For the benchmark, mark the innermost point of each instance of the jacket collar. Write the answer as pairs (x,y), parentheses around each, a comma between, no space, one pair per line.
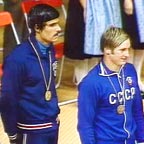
(35,43)
(105,71)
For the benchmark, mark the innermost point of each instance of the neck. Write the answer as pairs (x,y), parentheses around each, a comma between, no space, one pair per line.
(111,65)
(38,38)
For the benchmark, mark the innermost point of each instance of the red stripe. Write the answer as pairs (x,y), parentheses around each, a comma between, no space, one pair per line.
(24,126)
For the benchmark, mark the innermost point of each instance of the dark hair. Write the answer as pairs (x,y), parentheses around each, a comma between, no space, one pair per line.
(113,37)
(40,14)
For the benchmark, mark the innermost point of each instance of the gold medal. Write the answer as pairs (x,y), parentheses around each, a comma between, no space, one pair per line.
(120,109)
(48,95)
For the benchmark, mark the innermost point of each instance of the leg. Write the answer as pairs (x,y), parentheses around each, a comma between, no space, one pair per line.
(38,138)
(82,67)
(80,70)
(92,62)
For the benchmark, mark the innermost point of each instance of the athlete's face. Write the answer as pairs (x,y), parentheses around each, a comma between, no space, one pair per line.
(119,56)
(50,32)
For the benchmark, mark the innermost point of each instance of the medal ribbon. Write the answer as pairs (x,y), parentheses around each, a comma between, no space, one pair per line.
(42,69)
(122,86)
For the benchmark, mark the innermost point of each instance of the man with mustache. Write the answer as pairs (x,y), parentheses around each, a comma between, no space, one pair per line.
(28,97)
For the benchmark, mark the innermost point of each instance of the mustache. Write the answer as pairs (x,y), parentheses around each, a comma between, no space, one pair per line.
(60,33)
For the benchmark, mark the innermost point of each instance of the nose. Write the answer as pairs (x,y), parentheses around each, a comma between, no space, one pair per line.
(127,53)
(59,28)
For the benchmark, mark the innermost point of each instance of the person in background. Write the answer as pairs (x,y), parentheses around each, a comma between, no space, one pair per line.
(29,103)
(74,41)
(109,101)
(9,42)
(133,24)
(86,21)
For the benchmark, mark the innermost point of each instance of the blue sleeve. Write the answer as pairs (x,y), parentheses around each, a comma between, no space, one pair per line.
(86,113)
(9,96)
(138,113)
(139,116)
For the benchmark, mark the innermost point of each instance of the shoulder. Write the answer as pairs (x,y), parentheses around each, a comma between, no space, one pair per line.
(129,67)
(19,52)
(92,78)
(130,71)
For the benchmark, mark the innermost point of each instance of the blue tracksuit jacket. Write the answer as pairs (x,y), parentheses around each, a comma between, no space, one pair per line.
(24,108)
(98,119)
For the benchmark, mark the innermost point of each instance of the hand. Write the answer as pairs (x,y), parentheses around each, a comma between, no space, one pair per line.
(13,139)
(12,142)
(128,7)
(83,4)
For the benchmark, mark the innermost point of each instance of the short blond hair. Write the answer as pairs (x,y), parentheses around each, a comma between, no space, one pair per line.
(113,37)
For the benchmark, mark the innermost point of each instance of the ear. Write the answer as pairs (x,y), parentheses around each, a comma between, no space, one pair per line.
(37,29)
(107,51)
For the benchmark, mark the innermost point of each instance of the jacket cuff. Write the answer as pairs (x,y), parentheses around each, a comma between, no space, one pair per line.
(12,138)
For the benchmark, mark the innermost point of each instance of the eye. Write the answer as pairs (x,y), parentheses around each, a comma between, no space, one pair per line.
(123,49)
(53,24)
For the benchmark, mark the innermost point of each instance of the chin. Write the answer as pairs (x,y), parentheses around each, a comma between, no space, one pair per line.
(123,63)
(55,39)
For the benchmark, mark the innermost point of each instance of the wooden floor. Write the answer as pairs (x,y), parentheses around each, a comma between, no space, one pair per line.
(68,129)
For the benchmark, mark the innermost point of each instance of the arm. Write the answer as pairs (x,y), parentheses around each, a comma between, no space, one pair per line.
(86,113)
(9,93)
(83,4)
(139,118)
(128,7)
(138,115)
